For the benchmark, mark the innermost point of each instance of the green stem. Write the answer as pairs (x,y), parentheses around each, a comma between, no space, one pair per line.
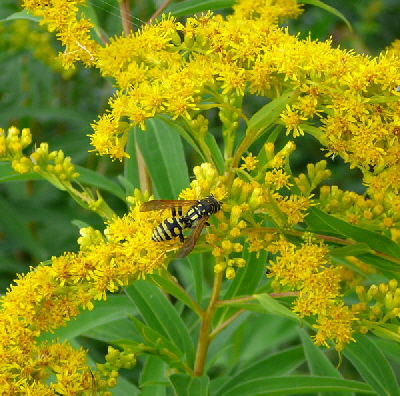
(204,337)
(231,302)
(229,139)
(196,307)
(227,322)
(87,201)
(164,352)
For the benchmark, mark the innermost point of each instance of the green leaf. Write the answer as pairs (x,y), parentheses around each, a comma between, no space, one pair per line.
(372,365)
(387,331)
(319,220)
(151,376)
(174,289)
(245,282)
(280,363)
(7,173)
(13,224)
(196,263)
(328,8)
(253,307)
(114,308)
(269,114)
(250,336)
(297,385)
(315,132)
(350,250)
(21,15)
(389,349)
(163,153)
(94,179)
(126,387)
(192,273)
(154,339)
(215,152)
(161,316)
(131,170)
(116,332)
(175,126)
(273,307)
(317,361)
(385,266)
(192,6)
(185,385)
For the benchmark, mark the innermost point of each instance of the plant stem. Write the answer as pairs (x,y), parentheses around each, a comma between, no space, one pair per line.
(227,322)
(160,9)
(125,12)
(204,337)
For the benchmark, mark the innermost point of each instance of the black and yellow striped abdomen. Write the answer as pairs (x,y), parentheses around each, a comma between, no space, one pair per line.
(170,228)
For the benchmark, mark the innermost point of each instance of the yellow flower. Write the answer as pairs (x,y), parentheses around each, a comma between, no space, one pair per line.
(250,162)
(232,78)
(292,121)
(336,325)
(277,179)
(294,207)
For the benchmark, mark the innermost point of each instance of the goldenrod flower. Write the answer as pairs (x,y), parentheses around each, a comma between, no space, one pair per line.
(72,31)
(250,162)
(337,325)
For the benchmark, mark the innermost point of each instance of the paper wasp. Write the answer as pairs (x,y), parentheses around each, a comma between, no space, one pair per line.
(195,218)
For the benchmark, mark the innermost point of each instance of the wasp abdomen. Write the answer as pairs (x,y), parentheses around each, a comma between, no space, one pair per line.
(171,228)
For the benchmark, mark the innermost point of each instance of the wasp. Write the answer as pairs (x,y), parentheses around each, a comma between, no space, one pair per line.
(195,218)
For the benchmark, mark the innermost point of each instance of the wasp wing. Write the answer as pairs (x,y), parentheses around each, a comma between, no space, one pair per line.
(192,238)
(158,204)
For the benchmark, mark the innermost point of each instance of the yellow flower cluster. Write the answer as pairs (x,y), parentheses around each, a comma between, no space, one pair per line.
(73,29)
(157,71)
(379,304)
(49,296)
(353,96)
(316,174)
(51,165)
(377,210)
(307,269)
(107,374)
(12,143)
(27,364)
(250,162)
